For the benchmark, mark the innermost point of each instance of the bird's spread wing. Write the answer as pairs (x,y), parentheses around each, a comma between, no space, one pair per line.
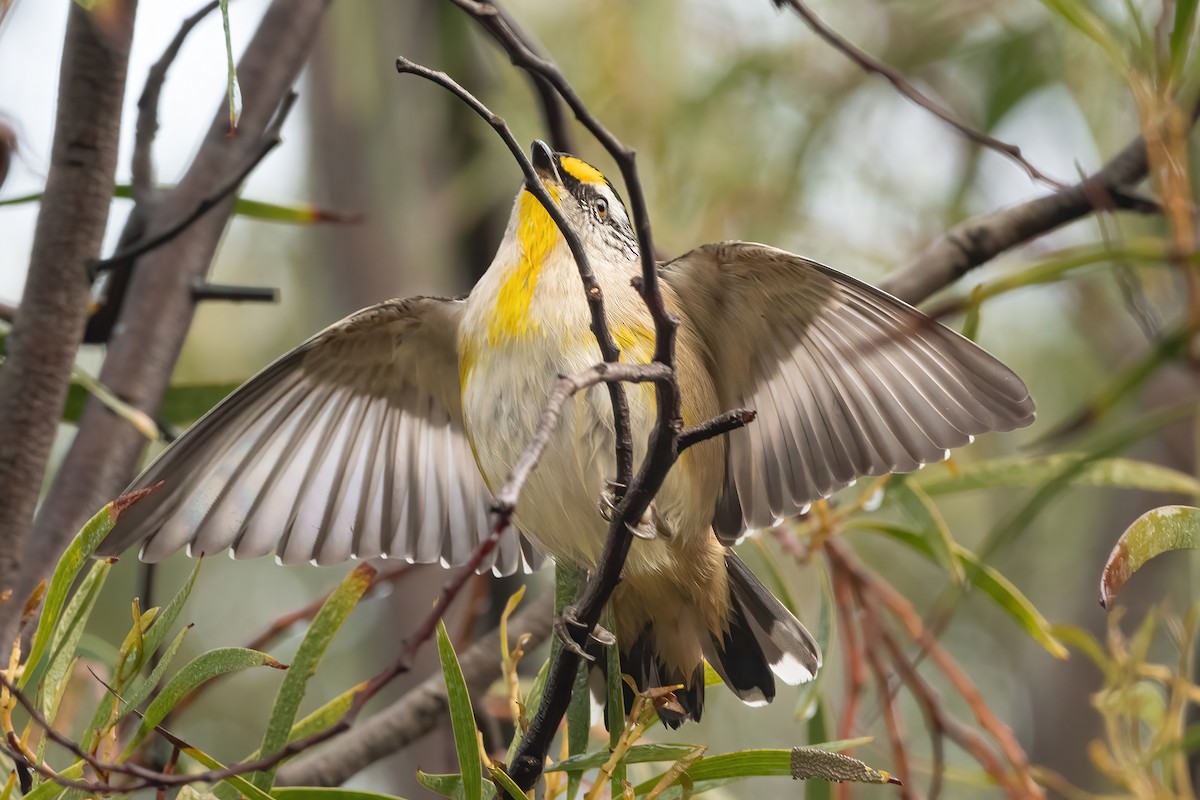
(350,445)
(847,380)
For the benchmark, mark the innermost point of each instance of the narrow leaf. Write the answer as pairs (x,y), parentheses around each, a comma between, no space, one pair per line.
(799,763)
(462,718)
(235,91)
(446,785)
(637,754)
(245,787)
(988,580)
(142,689)
(242,207)
(1091,25)
(202,668)
(1121,473)
(312,648)
(928,518)
(501,778)
(65,641)
(68,567)
(325,793)
(1181,34)
(157,633)
(1158,531)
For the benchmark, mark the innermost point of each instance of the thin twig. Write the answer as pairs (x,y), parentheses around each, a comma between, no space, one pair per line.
(873,65)
(270,140)
(505,31)
(935,720)
(142,169)
(202,291)
(907,615)
(151,778)
(662,450)
(717,426)
(419,710)
(980,239)
(891,718)
(852,655)
(529,760)
(565,387)
(609,350)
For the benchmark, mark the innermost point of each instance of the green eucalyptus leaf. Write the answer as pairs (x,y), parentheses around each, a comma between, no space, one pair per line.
(1158,531)
(65,641)
(324,627)
(987,580)
(325,793)
(462,718)
(637,754)
(65,572)
(194,674)
(446,785)
(1122,473)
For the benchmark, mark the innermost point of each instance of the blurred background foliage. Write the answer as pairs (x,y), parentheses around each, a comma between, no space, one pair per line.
(747,126)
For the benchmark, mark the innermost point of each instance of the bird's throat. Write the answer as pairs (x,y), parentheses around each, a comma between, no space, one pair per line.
(537,235)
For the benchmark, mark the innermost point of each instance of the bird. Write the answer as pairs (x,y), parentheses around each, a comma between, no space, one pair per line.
(387,433)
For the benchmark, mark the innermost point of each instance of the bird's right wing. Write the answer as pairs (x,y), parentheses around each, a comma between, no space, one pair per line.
(847,380)
(351,445)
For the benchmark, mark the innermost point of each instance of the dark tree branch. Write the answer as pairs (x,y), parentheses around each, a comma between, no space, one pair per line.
(600,329)
(505,31)
(870,64)
(53,309)
(268,142)
(158,308)
(234,294)
(529,759)
(717,426)
(978,240)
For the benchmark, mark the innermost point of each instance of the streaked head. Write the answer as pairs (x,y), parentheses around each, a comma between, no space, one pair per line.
(588,201)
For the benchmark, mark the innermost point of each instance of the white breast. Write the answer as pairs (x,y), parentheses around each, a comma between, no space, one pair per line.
(503,398)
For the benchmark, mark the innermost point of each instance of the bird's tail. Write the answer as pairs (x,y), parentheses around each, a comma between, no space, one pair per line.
(762,640)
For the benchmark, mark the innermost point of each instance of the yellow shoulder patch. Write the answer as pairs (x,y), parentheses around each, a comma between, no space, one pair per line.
(581,170)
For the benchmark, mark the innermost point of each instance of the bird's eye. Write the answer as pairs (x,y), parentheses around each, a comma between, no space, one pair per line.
(601,206)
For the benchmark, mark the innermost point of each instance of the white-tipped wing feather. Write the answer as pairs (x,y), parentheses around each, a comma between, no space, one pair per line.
(847,380)
(351,445)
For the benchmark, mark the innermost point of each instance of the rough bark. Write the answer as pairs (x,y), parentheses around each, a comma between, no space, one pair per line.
(69,232)
(159,306)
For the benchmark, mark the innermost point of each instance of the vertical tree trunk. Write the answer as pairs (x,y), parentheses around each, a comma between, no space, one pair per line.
(70,229)
(158,308)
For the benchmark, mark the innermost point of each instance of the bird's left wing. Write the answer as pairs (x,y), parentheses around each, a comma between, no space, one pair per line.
(351,445)
(846,380)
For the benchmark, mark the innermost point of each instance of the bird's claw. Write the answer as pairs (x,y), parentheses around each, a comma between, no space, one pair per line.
(563,627)
(645,529)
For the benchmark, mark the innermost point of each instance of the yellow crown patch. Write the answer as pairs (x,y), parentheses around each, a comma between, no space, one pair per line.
(581,170)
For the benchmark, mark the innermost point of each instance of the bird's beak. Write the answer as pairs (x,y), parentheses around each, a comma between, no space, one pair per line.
(545,163)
